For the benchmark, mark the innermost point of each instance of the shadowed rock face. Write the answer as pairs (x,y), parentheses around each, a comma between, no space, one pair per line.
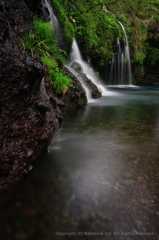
(29,113)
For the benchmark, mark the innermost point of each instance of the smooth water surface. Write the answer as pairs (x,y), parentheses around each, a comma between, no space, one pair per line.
(100,178)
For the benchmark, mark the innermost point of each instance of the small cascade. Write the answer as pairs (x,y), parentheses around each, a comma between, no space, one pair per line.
(49,14)
(120,72)
(76,61)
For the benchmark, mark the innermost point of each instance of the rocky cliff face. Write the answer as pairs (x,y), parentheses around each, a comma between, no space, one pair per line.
(29,114)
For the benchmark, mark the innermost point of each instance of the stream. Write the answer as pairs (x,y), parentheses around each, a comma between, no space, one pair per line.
(100,177)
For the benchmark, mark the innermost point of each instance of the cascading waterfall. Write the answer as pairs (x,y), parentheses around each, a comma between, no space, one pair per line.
(76,61)
(49,14)
(120,72)
(127,56)
(75,56)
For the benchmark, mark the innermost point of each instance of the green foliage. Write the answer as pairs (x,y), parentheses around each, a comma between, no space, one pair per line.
(67,26)
(138,16)
(139,57)
(97,30)
(42,41)
(60,81)
(152,56)
(43,29)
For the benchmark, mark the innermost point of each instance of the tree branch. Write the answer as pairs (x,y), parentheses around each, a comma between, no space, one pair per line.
(76,6)
(98,4)
(89,9)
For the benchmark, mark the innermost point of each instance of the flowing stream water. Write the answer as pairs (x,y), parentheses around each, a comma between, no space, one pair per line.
(100,176)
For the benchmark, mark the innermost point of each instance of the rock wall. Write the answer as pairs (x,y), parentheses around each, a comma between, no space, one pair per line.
(29,114)
(30,111)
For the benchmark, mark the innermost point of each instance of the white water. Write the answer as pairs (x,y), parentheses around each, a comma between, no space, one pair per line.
(120,72)
(127,55)
(53,20)
(75,57)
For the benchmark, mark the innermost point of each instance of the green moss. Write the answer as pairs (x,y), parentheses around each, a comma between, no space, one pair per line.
(60,81)
(66,25)
(42,41)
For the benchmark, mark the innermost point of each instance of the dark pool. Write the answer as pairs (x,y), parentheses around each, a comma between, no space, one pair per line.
(100,178)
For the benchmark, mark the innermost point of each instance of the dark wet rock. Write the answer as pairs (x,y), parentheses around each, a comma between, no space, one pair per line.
(29,169)
(30,111)
(142,201)
(41,107)
(95,92)
(78,80)
(4,173)
(25,135)
(75,97)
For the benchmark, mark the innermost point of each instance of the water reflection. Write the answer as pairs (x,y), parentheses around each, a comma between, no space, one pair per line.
(99,177)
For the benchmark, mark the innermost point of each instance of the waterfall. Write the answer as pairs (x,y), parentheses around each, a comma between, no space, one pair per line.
(50,15)
(127,56)
(120,72)
(76,61)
